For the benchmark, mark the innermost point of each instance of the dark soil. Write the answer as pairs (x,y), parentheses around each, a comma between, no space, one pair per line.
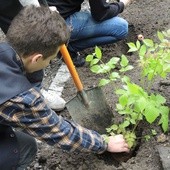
(145,17)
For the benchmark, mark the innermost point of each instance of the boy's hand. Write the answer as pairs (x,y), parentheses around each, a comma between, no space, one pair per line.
(126,2)
(117,144)
(53,8)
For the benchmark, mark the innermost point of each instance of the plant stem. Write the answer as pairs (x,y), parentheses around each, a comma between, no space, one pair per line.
(137,122)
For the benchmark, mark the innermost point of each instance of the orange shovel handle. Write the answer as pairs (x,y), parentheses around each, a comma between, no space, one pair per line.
(71,67)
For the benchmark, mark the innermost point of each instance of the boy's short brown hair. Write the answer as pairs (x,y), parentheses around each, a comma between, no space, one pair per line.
(37,30)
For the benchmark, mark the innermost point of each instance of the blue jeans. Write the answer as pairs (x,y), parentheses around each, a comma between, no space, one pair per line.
(86,32)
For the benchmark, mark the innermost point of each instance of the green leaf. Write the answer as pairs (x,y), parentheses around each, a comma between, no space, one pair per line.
(137,44)
(94,61)
(108,130)
(106,138)
(134,115)
(129,67)
(166,68)
(132,47)
(130,144)
(132,135)
(141,104)
(166,33)
(114,75)
(123,100)
(106,68)
(154,132)
(164,118)
(148,42)
(114,60)
(95,69)
(120,91)
(89,58)
(124,61)
(125,79)
(151,113)
(125,124)
(119,107)
(98,52)
(160,36)
(147,137)
(132,121)
(142,50)
(160,99)
(103,82)
(133,88)
(114,127)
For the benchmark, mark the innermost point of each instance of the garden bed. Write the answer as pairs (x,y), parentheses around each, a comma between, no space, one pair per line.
(144,17)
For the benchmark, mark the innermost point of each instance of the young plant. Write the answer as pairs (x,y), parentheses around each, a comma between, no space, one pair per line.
(154,58)
(97,66)
(136,103)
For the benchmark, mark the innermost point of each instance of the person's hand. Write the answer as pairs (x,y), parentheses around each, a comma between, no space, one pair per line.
(117,144)
(126,2)
(53,8)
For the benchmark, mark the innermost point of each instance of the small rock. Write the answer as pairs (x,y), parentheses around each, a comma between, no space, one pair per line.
(162,138)
(164,153)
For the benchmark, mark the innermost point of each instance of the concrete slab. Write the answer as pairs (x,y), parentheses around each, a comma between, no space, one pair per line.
(164,153)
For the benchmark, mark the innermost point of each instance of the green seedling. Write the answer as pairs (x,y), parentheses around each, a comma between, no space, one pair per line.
(135,102)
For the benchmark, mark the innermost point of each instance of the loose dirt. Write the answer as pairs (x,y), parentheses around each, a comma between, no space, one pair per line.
(145,17)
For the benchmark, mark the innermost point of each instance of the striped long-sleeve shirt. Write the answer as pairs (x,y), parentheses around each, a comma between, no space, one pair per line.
(29,112)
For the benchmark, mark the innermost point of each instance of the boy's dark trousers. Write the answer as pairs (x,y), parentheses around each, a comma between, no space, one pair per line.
(17,149)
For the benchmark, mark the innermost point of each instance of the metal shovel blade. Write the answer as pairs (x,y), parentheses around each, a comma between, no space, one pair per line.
(96,116)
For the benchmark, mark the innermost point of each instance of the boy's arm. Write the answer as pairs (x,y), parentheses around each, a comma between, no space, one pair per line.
(29,112)
(101,10)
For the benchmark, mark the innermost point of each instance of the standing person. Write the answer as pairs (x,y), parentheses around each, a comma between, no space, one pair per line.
(33,40)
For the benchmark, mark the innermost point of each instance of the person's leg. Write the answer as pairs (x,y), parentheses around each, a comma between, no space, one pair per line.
(86,32)
(27,149)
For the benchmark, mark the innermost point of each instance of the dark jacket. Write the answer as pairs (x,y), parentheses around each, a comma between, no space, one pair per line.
(8,10)
(9,155)
(100,10)
(11,70)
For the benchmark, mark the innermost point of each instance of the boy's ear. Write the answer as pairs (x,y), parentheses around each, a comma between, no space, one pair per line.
(36,57)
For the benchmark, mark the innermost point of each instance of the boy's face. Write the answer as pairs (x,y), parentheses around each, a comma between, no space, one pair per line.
(36,62)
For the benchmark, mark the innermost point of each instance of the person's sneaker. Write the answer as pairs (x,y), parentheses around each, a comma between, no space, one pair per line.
(54,101)
(78,60)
